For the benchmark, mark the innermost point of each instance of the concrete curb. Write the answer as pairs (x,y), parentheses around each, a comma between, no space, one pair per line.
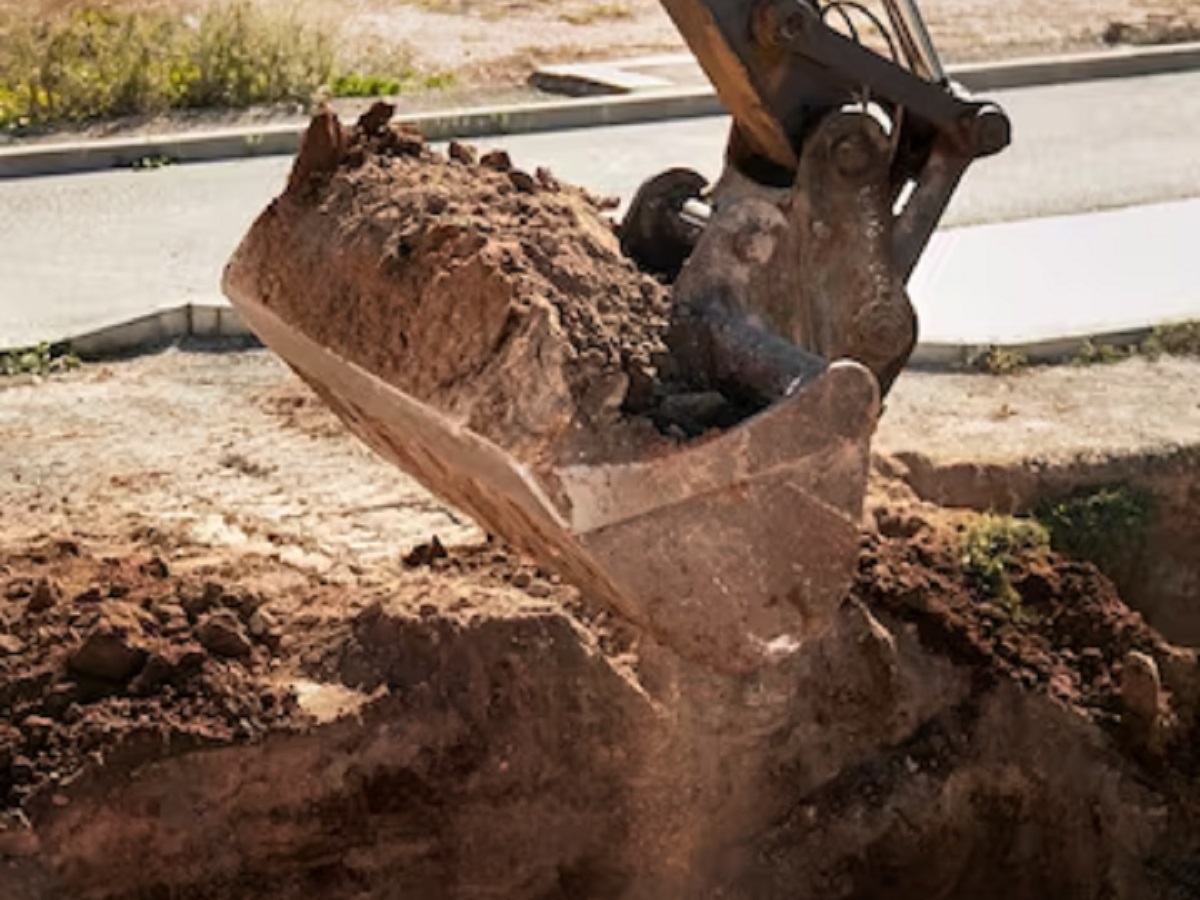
(1055,351)
(221,325)
(646,73)
(205,322)
(240,143)
(626,103)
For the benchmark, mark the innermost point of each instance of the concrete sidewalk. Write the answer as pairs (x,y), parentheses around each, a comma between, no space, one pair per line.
(1029,282)
(84,252)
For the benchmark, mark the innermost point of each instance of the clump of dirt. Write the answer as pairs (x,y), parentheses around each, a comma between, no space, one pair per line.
(101,655)
(1063,631)
(498,296)
(1067,636)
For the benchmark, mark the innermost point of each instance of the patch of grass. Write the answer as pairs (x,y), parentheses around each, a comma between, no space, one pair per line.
(599,12)
(154,161)
(355,84)
(1155,30)
(95,62)
(1179,339)
(991,546)
(1106,525)
(994,360)
(1091,353)
(41,360)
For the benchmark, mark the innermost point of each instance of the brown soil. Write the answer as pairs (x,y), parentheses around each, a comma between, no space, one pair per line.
(1067,636)
(473,727)
(98,654)
(554,331)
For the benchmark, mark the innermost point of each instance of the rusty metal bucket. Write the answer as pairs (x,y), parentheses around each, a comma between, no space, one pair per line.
(732,550)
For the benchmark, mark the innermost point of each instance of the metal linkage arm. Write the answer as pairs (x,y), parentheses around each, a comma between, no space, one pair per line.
(780,69)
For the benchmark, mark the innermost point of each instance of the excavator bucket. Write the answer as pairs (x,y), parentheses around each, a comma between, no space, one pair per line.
(731,552)
(695,459)
(732,547)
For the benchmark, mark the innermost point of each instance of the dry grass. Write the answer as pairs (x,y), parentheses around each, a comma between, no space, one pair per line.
(385,46)
(70,61)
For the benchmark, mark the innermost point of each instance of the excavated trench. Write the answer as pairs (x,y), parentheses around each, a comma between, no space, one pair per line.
(1145,537)
(475,728)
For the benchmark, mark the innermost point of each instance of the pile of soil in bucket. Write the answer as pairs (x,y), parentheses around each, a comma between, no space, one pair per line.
(498,296)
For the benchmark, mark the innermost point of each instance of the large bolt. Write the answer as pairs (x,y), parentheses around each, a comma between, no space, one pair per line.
(991,131)
(754,245)
(776,23)
(854,155)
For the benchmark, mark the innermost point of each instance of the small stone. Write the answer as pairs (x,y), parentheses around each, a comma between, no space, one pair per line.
(59,699)
(91,595)
(171,665)
(37,731)
(10,645)
(21,770)
(222,633)
(197,601)
(261,623)
(523,181)
(425,554)
(46,594)
(463,153)
(522,580)
(18,589)
(497,160)
(404,140)
(172,617)
(155,568)
(539,589)
(375,119)
(245,603)
(1141,686)
(112,650)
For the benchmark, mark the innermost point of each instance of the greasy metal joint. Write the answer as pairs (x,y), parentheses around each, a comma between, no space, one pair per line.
(855,155)
(991,131)
(777,23)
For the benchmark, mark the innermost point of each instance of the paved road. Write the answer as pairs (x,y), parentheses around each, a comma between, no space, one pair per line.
(84,251)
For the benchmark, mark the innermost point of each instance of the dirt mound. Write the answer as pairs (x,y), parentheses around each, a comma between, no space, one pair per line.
(391,253)
(472,726)
(102,656)
(1067,636)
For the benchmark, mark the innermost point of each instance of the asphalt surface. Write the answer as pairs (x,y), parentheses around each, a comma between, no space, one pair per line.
(84,251)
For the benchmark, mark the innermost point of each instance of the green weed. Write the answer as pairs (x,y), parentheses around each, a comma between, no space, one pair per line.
(991,546)
(43,359)
(1180,339)
(101,62)
(1091,353)
(1106,525)
(994,360)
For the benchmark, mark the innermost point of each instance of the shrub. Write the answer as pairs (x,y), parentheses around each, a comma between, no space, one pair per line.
(1106,525)
(101,62)
(992,545)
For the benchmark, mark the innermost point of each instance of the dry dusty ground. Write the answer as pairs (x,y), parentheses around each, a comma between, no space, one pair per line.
(228,451)
(492,48)
(484,41)
(196,557)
